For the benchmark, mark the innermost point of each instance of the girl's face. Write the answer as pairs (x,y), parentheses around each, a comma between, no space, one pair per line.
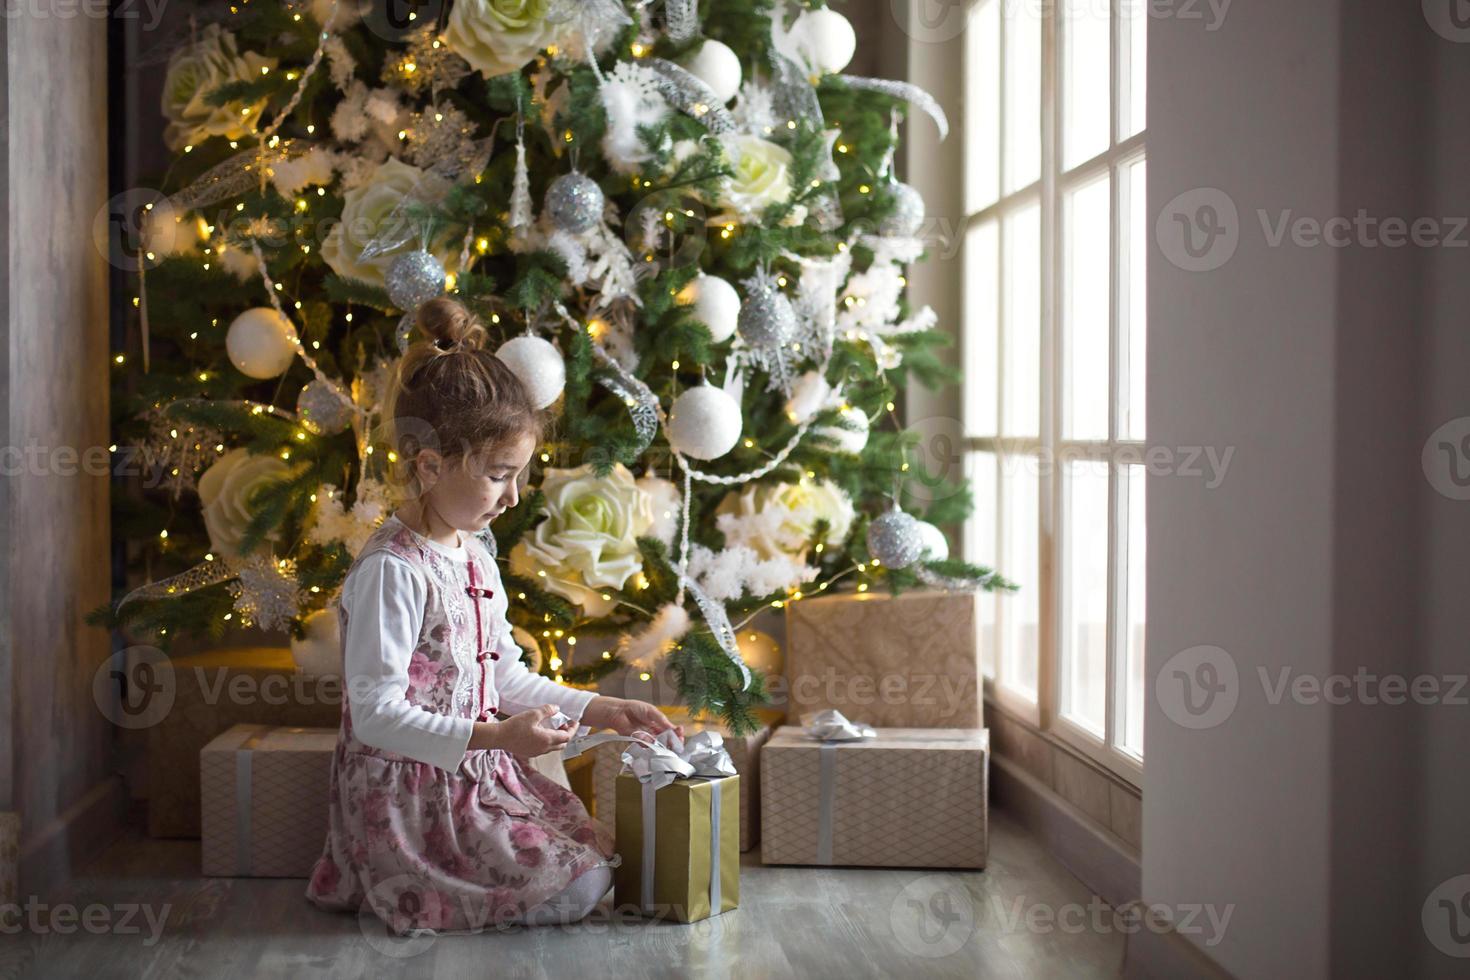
(471,491)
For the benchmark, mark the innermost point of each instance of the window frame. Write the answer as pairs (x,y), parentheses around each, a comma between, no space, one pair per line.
(1052,450)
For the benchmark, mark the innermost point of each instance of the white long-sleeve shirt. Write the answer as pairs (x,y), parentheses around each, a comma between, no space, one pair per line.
(385,597)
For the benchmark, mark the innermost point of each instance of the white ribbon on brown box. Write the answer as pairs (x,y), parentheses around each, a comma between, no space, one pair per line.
(831,728)
(656,761)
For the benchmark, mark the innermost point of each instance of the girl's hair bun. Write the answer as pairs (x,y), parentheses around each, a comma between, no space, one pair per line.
(449,326)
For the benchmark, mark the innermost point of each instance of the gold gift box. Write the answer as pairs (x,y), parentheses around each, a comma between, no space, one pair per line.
(685,863)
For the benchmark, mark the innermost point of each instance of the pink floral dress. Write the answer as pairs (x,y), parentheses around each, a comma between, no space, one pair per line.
(437,851)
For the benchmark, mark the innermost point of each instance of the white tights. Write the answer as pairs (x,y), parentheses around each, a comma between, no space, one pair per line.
(573,902)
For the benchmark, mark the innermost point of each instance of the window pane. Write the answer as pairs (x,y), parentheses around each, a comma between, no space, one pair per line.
(982,106)
(1022,94)
(1085,310)
(1133,71)
(1020,613)
(1086,30)
(1084,597)
(1021,381)
(980,548)
(1134,328)
(980,334)
(1131,683)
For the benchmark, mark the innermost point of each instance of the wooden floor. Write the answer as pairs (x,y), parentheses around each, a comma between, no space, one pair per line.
(792,922)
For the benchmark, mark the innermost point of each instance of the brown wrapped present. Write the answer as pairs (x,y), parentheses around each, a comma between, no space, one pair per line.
(909,798)
(265,796)
(744,752)
(897,661)
(211,692)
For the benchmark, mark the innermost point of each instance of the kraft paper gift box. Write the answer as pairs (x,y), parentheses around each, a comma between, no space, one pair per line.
(679,847)
(212,691)
(906,661)
(265,792)
(744,752)
(908,798)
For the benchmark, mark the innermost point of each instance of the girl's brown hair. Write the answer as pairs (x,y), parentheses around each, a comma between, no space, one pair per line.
(452,395)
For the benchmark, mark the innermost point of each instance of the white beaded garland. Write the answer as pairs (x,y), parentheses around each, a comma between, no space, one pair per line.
(716,305)
(718,67)
(704,423)
(261,343)
(538,364)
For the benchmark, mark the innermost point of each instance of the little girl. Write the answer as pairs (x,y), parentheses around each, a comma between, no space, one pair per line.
(437,820)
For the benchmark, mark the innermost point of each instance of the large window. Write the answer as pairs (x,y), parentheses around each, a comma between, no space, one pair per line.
(1054,355)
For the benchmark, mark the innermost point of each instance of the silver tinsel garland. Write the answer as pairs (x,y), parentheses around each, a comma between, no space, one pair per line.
(693,97)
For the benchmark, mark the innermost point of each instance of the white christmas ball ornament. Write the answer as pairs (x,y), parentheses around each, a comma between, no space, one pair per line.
(933,545)
(716,305)
(718,67)
(538,364)
(808,396)
(704,423)
(261,343)
(825,39)
(844,440)
(320,651)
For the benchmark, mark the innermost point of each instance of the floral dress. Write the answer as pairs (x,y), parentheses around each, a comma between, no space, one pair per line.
(433,850)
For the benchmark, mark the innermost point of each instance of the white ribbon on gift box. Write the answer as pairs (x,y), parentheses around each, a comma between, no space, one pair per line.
(656,761)
(244,774)
(831,728)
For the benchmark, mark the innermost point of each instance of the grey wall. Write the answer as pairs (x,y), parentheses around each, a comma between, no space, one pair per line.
(1325,550)
(57,766)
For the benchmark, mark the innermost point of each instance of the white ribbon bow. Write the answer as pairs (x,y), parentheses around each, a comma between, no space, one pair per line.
(832,726)
(658,760)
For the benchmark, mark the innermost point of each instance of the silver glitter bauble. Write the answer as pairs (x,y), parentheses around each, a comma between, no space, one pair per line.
(895,539)
(321,411)
(414,278)
(907,216)
(767,319)
(574,202)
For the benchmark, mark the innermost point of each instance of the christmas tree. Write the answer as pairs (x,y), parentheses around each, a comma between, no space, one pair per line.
(685,225)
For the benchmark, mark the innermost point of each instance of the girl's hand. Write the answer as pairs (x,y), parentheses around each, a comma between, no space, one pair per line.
(626,717)
(524,734)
